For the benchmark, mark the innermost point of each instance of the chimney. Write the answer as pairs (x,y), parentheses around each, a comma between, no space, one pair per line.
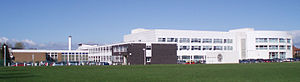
(70,42)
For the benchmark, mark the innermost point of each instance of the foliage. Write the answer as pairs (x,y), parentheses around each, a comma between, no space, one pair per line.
(19,45)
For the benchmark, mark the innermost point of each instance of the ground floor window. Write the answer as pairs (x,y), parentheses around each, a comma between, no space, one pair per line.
(186,57)
(273,55)
(282,55)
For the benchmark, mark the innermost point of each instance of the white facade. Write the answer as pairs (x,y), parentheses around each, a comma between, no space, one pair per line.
(217,46)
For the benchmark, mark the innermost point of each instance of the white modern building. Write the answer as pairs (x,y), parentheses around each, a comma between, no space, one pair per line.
(219,46)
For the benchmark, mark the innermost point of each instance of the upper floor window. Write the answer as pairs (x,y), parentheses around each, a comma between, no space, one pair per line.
(196,48)
(261,47)
(288,40)
(273,47)
(184,48)
(218,41)
(120,49)
(273,40)
(207,48)
(288,47)
(206,40)
(227,40)
(161,39)
(281,40)
(282,47)
(228,48)
(261,40)
(172,39)
(184,40)
(196,40)
(218,47)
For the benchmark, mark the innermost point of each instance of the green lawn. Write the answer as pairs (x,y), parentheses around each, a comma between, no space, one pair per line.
(266,72)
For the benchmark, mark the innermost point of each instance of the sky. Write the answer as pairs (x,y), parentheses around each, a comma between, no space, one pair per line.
(45,23)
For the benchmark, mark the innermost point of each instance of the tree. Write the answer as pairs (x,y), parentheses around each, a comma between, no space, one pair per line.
(19,45)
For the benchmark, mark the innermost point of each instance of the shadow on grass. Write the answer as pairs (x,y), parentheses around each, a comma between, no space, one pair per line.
(16,75)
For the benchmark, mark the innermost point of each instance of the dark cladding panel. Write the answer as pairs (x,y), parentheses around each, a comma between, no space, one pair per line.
(137,53)
(164,54)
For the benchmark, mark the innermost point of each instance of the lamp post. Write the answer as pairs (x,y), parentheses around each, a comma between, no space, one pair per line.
(4,55)
(144,56)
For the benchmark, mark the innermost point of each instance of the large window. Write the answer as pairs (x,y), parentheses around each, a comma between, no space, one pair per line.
(228,48)
(198,57)
(282,40)
(184,48)
(161,39)
(261,40)
(218,41)
(273,55)
(282,55)
(273,47)
(196,40)
(273,40)
(172,39)
(186,57)
(206,40)
(184,40)
(218,47)
(207,48)
(196,47)
(261,47)
(227,40)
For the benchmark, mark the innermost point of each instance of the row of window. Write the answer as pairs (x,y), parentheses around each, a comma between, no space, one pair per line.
(273,47)
(205,47)
(195,40)
(120,49)
(65,53)
(273,55)
(273,40)
(100,49)
(190,57)
(75,57)
(100,58)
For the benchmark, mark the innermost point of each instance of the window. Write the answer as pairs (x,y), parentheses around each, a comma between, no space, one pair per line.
(282,47)
(261,40)
(207,48)
(273,55)
(273,47)
(186,57)
(288,40)
(273,40)
(227,40)
(218,41)
(288,47)
(282,55)
(196,48)
(161,39)
(206,40)
(218,47)
(148,59)
(148,47)
(184,48)
(196,40)
(281,40)
(228,48)
(261,47)
(172,39)
(198,57)
(184,40)
(120,49)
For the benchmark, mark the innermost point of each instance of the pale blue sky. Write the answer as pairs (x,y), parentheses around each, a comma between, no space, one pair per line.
(106,21)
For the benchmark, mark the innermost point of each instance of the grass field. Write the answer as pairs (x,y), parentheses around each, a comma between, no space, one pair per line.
(265,72)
